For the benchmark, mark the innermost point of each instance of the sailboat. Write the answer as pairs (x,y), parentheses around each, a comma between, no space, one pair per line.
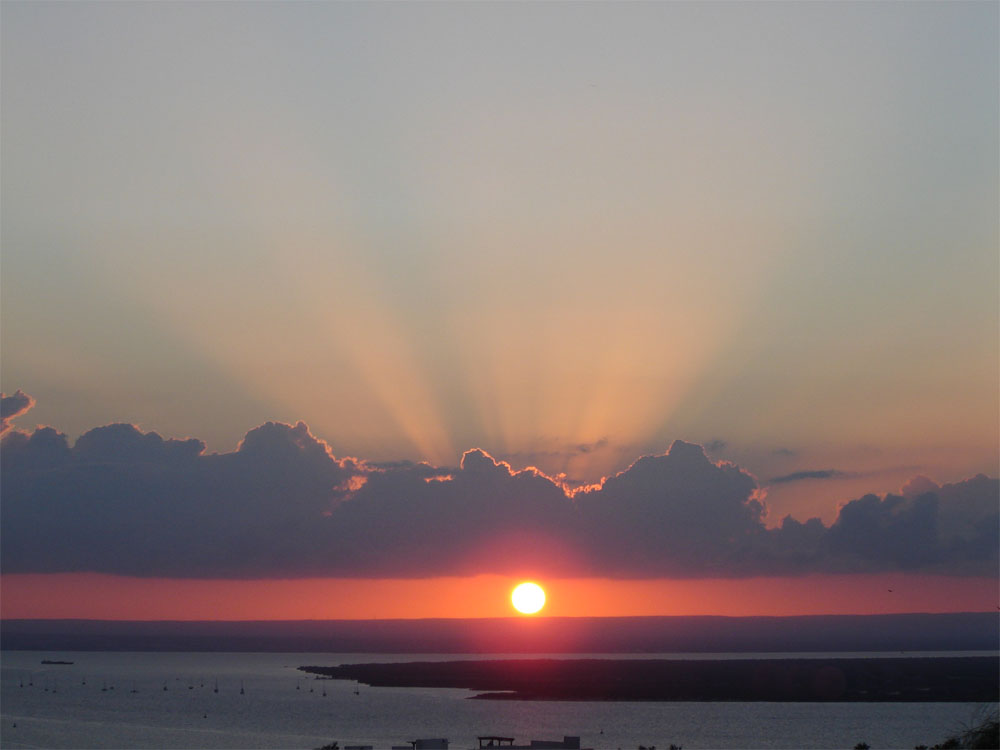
(242,691)
(216,687)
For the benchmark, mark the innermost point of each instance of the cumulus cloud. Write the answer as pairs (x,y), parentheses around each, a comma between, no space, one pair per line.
(12,407)
(126,444)
(793,546)
(123,501)
(672,513)
(119,500)
(484,516)
(952,527)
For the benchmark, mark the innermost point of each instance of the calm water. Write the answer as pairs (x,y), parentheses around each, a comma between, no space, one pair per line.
(283,708)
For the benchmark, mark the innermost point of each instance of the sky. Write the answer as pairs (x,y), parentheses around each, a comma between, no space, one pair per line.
(625,297)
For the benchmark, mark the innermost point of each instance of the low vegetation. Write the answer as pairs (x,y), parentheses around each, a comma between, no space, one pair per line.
(983,734)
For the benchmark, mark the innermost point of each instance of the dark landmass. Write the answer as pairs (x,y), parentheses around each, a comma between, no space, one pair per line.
(524,635)
(53,661)
(971,679)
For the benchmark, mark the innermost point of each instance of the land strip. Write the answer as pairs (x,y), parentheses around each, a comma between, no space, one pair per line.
(971,679)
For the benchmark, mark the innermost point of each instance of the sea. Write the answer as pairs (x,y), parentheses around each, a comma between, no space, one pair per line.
(261,700)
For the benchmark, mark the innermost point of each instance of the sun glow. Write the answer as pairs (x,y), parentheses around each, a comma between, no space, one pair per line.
(92,596)
(528,598)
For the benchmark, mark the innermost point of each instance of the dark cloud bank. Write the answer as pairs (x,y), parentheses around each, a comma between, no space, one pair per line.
(127,502)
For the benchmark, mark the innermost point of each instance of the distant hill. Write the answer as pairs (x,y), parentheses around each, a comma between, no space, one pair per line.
(901,632)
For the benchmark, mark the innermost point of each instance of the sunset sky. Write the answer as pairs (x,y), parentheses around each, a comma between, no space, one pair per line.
(359,266)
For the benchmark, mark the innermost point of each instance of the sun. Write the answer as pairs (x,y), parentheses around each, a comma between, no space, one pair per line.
(527,598)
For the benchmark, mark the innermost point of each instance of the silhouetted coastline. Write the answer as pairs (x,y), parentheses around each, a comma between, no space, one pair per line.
(975,631)
(935,679)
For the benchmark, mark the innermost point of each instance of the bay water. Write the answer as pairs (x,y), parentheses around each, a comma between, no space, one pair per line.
(261,700)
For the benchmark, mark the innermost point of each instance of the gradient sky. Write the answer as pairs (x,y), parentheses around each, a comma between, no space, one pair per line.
(564,234)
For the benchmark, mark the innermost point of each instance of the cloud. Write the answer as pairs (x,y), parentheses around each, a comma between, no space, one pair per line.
(673,513)
(12,407)
(918,485)
(798,476)
(283,505)
(953,527)
(123,501)
(889,529)
(126,444)
(484,516)
(793,546)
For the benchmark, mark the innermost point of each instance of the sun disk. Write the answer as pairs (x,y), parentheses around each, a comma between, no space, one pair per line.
(528,598)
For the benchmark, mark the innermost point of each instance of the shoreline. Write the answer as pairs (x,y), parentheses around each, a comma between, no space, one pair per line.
(871,680)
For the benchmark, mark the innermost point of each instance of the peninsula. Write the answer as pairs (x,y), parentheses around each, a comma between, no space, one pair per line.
(931,679)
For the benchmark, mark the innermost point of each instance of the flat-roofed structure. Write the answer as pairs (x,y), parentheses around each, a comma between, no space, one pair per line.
(507,743)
